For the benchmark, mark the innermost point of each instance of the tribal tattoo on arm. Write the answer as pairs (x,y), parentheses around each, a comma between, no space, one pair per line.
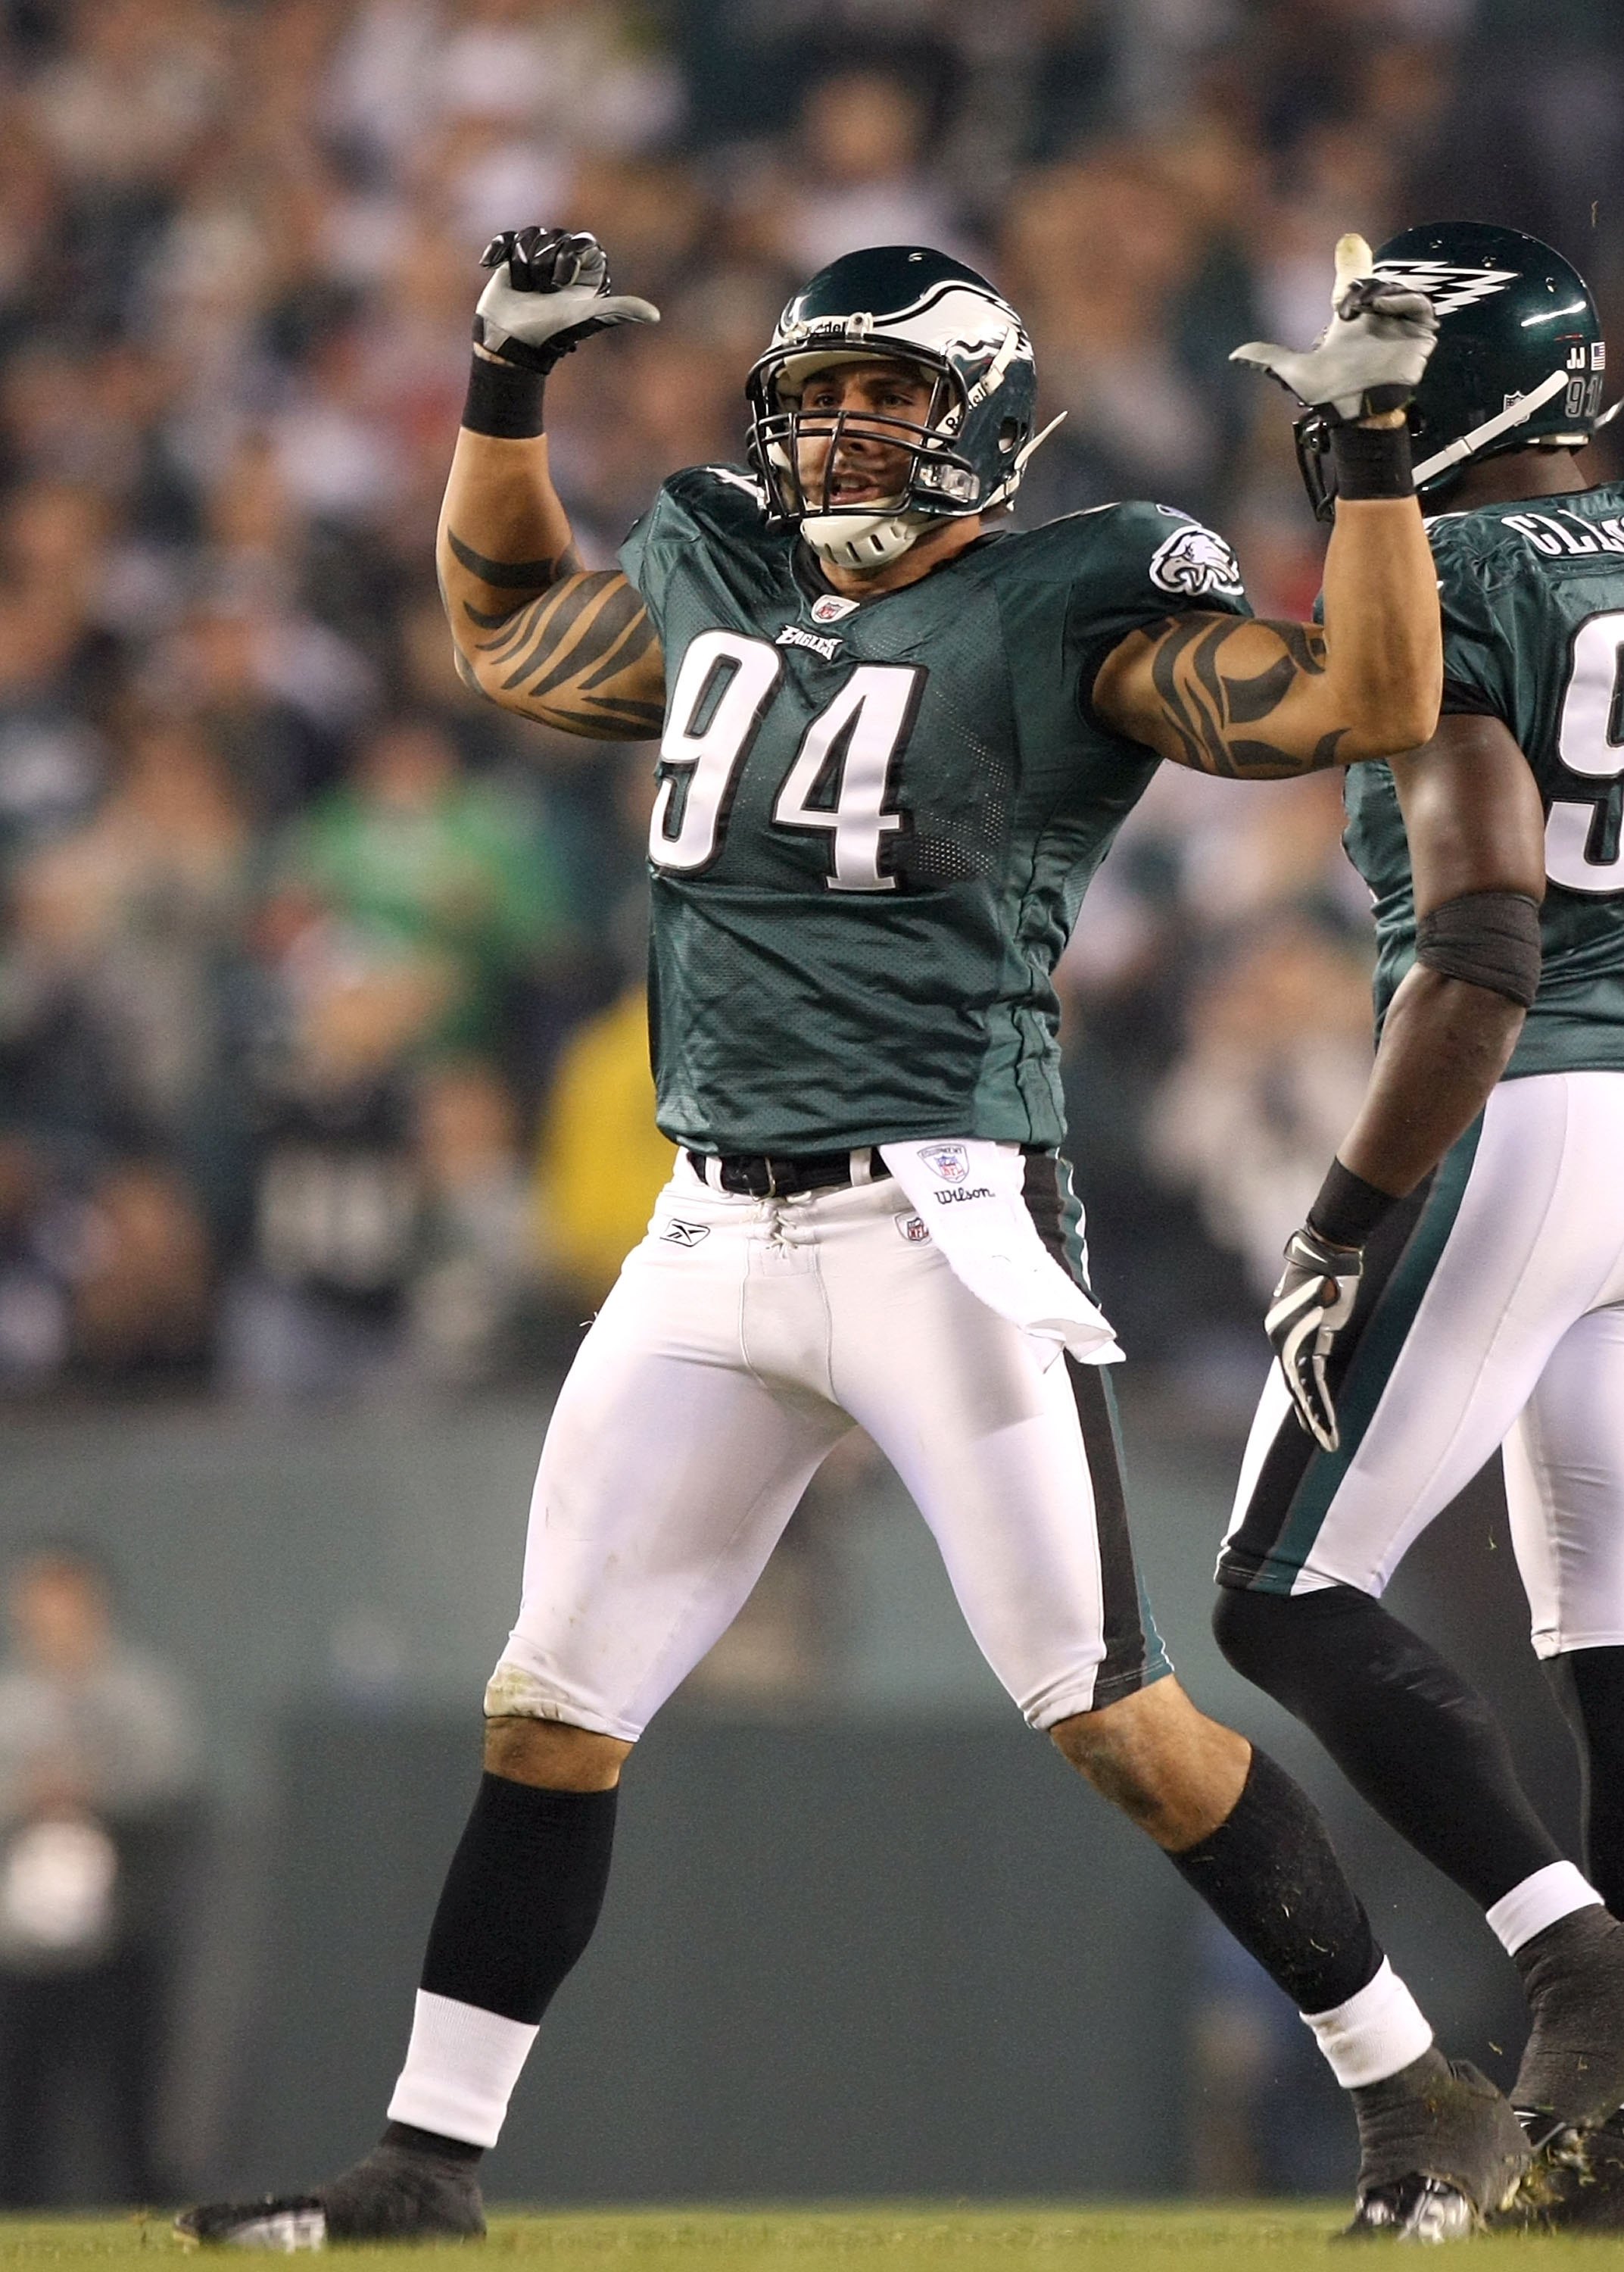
(1223,694)
(581,654)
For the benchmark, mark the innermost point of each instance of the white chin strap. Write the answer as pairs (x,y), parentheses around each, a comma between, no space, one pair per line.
(1514,415)
(863,540)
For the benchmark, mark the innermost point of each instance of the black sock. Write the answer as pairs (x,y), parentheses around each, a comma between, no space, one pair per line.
(407,2134)
(1407,1732)
(1590,1687)
(521,1897)
(1268,1873)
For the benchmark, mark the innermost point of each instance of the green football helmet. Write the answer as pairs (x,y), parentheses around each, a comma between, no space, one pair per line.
(1519,361)
(897,303)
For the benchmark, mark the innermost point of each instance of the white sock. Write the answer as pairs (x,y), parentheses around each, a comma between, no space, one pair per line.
(1541,1899)
(460,2068)
(1374,2034)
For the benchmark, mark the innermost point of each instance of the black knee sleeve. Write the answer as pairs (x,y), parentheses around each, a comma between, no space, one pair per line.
(1412,1737)
(521,1897)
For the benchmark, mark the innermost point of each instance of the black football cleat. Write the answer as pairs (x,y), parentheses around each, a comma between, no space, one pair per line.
(1572,2074)
(1575,2183)
(1441,2150)
(279,2222)
(396,2194)
(1413,2208)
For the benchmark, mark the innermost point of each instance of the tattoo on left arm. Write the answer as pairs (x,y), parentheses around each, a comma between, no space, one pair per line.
(1193,704)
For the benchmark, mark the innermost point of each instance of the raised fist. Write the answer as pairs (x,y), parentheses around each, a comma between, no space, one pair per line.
(549,292)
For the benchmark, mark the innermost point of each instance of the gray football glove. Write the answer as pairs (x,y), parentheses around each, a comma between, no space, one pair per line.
(1312,1303)
(551,290)
(1371,354)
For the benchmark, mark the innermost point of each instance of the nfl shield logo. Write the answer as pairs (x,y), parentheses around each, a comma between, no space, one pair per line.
(829,608)
(950,1161)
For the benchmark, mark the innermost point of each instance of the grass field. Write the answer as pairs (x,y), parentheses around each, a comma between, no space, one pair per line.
(869,2239)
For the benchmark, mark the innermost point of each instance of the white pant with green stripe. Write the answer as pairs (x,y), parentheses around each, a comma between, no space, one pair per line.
(743,1340)
(1493,1314)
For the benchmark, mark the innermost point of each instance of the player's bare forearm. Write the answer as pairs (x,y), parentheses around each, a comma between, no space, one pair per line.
(1383,632)
(504,535)
(1476,830)
(532,630)
(1265,701)
(1445,1046)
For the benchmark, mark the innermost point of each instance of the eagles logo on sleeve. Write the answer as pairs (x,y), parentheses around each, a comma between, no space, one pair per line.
(1194,562)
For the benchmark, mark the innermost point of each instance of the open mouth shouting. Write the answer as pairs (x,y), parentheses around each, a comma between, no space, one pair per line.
(856,421)
(854,485)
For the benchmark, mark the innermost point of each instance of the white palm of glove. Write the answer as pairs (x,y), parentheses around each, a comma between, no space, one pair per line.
(1314,1300)
(1371,354)
(549,291)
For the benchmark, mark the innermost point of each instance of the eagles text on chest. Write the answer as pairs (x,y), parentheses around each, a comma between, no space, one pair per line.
(791,635)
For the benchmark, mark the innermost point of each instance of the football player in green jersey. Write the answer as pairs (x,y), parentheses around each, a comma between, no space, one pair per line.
(1459,1282)
(895,743)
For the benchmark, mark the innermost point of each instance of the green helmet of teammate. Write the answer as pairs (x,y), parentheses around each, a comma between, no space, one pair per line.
(897,303)
(1519,359)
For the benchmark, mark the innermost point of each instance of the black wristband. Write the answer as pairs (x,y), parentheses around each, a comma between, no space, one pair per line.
(1372,461)
(503,400)
(1348,1208)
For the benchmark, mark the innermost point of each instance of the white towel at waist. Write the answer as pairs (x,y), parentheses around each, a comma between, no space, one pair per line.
(970,1194)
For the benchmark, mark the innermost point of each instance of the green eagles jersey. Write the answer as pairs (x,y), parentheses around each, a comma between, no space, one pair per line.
(1533,633)
(874,822)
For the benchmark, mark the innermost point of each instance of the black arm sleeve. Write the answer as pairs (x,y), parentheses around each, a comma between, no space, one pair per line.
(1486,938)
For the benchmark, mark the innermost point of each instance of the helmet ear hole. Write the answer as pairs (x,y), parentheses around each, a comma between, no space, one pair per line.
(1011,434)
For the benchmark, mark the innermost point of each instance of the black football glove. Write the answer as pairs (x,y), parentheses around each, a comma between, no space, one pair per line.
(551,290)
(1370,356)
(1312,1303)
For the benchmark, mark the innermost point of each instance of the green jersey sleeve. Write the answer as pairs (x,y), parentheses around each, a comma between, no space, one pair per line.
(1148,562)
(1474,676)
(706,506)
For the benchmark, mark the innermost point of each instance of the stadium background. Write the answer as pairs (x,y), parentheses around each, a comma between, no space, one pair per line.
(324,1113)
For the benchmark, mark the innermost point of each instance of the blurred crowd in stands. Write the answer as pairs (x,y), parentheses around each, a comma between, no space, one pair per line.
(320,1050)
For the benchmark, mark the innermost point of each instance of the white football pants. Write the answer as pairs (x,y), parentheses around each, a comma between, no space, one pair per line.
(743,1338)
(1494,1312)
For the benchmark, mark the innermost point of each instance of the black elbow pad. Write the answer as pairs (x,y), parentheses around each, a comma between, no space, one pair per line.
(1487,939)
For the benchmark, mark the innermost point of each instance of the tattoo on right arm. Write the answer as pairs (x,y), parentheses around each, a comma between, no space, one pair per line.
(512,575)
(578,656)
